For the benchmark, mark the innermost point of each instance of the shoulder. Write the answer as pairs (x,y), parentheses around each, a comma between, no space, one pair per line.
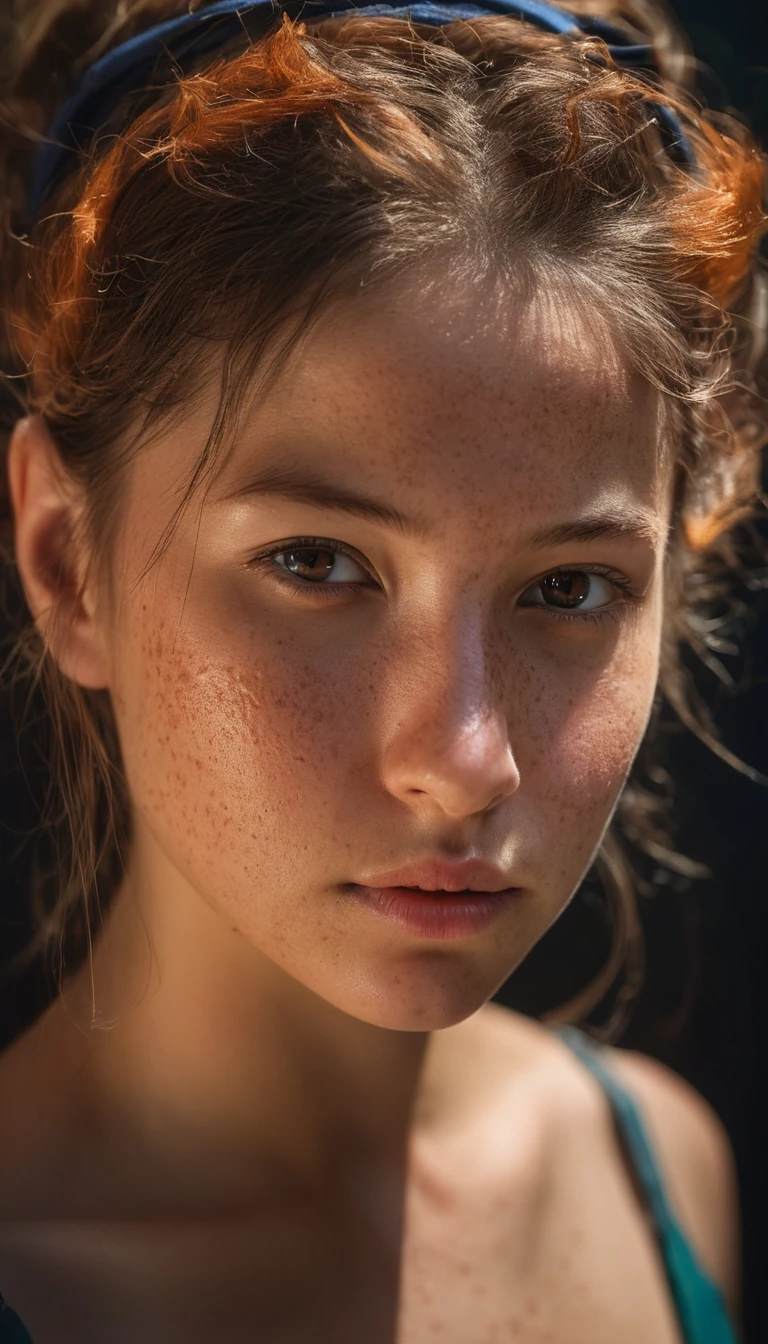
(693,1150)
(696,1160)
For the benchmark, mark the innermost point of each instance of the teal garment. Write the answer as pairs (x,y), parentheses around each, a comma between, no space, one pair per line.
(701,1307)
(700,1304)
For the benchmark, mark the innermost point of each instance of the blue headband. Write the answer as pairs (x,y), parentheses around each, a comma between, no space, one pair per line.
(129,65)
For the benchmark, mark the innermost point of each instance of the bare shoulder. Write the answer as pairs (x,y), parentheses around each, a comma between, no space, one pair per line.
(688,1137)
(697,1163)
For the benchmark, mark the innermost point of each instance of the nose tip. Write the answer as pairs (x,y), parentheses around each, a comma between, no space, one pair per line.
(470,774)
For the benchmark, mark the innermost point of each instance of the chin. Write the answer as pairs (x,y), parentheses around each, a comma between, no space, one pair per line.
(428,994)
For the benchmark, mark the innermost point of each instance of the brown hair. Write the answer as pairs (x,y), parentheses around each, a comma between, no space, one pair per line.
(235,202)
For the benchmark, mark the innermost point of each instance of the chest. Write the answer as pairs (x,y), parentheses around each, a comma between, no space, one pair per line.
(463,1268)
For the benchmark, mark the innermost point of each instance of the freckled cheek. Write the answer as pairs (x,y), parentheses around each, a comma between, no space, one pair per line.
(600,740)
(578,751)
(231,742)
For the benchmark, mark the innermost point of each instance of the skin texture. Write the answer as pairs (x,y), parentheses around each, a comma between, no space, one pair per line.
(279,744)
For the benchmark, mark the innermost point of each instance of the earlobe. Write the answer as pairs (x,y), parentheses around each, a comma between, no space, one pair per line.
(47,507)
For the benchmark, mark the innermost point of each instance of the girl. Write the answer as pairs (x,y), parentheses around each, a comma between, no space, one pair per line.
(379,401)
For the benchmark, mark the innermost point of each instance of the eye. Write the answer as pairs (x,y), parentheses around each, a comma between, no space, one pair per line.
(314,563)
(577,593)
(574,589)
(318,564)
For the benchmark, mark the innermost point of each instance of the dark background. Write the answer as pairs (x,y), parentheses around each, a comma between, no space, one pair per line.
(702,1009)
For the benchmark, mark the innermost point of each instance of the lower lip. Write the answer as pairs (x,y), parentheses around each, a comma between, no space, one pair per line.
(438,914)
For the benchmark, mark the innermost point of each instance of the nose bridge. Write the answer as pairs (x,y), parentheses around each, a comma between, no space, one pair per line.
(450,735)
(452,668)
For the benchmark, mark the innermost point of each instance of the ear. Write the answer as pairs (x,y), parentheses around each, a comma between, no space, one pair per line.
(48,506)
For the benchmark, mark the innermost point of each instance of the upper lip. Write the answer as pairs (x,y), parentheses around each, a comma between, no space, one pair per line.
(444,875)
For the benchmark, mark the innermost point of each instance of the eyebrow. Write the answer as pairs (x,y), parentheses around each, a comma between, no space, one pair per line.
(310,488)
(628,523)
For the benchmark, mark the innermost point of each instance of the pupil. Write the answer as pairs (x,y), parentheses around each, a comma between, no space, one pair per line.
(569,588)
(307,564)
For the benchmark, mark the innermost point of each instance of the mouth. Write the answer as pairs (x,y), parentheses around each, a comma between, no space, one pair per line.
(434,913)
(466,893)
(435,876)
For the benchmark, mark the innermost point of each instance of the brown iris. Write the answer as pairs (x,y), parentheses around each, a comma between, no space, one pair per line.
(568,588)
(313,564)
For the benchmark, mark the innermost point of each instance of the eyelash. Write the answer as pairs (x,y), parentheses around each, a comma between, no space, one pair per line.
(298,587)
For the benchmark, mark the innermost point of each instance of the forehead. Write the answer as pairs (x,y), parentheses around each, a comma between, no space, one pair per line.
(450,401)
(467,390)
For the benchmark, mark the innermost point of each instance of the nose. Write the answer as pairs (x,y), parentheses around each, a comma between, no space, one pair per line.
(451,741)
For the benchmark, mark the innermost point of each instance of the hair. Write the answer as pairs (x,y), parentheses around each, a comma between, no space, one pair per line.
(233,203)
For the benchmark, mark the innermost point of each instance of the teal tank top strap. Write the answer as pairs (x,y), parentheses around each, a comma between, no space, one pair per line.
(700,1303)
(11,1329)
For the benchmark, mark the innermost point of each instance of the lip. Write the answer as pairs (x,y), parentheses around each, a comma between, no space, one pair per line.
(474,875)
(434,914)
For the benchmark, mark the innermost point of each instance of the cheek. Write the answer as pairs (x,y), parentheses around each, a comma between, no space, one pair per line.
(581,736)
(234,755)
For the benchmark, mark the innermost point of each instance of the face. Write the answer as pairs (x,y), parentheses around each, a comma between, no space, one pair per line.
(309,692)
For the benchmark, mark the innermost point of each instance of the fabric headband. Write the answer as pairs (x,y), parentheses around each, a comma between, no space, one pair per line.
(129,65)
